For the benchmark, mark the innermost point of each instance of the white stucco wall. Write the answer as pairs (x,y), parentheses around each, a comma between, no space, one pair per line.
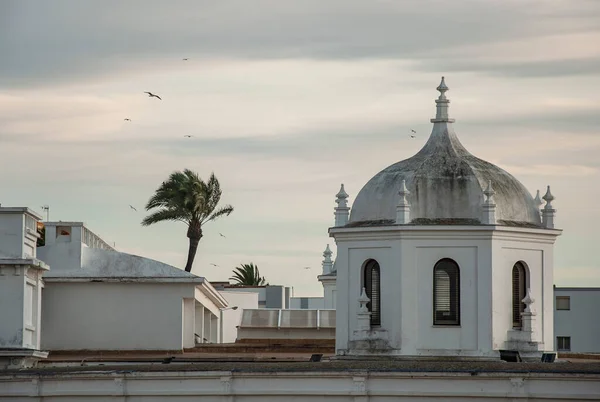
(20,303)
(581,321)
(12,301)
(406,292)
(12,232)
(329,294)
(537,254)
(189,322)
(268,296)
(231,318)
(407,256)
(61,256)
(309,386)
(113,316)
(18,232)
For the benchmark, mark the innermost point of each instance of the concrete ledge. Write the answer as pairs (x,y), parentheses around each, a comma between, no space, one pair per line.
(287,342)
(20,358)
(467,369)
(587,356)
(275,346)
(415,358)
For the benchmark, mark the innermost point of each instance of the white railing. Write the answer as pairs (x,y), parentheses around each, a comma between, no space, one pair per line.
(92,240)
(282,318)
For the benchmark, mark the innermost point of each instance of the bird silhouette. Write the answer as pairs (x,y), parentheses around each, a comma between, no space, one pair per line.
(306,268)
(150,94)
(413,131)
(214,265)
(188,136)
(185,59)
(222,235)
(127,119)
(412,136)
(132,207)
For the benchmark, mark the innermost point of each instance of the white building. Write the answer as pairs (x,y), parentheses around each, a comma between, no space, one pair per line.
(20,288)
(576,324)
(102,299)
(93,297)
(269,296)
(327,279)
(434,271)
(231,316)
(444,254)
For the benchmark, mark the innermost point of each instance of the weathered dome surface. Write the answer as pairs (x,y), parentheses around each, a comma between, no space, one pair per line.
(445,182)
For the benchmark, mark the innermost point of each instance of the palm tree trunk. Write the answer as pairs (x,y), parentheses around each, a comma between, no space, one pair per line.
(191,253)
(194,233)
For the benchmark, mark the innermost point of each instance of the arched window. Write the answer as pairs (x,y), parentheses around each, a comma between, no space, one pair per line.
(519,289)
(446,293)
(372,286)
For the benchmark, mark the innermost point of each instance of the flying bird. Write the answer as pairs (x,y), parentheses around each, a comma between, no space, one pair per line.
(150,94)
(188,136)
(413,131)
(412,136)
(214,265)
(185,59)
(132,207)
(222,235)
(306,268)
(127,119)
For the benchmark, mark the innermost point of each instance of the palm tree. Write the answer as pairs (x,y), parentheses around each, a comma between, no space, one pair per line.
(248,275)
(185,197)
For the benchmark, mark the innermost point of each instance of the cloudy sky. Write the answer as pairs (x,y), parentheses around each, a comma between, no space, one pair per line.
(286,100)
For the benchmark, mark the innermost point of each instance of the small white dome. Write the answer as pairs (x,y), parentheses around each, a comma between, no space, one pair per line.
(446,182)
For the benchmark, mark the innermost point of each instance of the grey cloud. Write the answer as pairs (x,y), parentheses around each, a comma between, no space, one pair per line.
(569,121)
(46,43)
(311,144)
(542,69)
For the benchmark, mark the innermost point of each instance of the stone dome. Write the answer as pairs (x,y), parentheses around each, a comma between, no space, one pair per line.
(445,182)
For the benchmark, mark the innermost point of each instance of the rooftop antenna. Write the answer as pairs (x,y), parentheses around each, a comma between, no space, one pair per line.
(47,209)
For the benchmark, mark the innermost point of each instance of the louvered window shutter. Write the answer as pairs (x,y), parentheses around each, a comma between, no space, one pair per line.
(446,293)
(373,289)
(518,294)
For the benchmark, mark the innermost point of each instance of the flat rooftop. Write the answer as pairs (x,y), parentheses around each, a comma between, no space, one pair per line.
(249,359)
(471,368)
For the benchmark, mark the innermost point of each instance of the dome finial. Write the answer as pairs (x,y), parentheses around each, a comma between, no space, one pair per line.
(342,212)
(442,88)
(442,102)
(342,193)
(489,206)
(403,207)
(548,197)
(538,200)
(548,212)
(489,193)
(327,261)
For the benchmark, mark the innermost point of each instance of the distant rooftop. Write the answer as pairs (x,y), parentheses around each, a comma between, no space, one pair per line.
(65,228)
(109,265)
(20,210)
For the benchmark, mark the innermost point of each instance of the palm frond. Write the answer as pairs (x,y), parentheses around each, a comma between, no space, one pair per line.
(248,275)
(185,197)
(226,210)
(165,215)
